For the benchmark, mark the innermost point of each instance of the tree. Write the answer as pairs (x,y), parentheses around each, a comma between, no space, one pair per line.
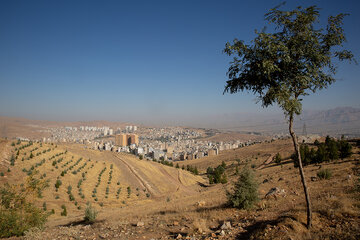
(345,149)
(245,192)
(284,66)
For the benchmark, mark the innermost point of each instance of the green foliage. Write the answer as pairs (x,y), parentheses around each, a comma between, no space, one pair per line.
(17,214)
(12,160)
(284,66)
(330,150)
(278,158)
(345,149)
(217,175)
(324,174)
(245,191)
(64,212)
(58,183)
(90,214)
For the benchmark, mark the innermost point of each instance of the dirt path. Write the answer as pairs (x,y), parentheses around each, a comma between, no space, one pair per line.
(145,184)
(266,162)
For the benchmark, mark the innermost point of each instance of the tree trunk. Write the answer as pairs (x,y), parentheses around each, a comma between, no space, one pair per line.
(297,151)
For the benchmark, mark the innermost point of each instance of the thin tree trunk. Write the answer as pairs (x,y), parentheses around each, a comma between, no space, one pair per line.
(297,151)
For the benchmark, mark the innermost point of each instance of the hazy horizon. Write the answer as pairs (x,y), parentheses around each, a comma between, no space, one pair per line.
(158,62)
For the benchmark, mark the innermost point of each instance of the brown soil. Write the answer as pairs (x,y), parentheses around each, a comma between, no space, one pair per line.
(184,206)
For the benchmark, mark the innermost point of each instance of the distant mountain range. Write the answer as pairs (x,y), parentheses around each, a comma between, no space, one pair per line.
(337,121)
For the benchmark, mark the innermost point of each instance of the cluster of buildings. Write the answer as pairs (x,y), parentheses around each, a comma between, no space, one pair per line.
(170,143)
(83,134)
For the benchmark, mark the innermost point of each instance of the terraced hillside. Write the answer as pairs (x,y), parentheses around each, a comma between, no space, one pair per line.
(77,176)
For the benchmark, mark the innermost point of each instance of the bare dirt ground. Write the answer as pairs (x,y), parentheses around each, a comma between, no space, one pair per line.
(187,208)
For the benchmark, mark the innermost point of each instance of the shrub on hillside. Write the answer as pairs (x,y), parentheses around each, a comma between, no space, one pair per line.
(245,192)
(64,212)
(17,214)
(324,174)
(90,214)
(278,158)
(217,175)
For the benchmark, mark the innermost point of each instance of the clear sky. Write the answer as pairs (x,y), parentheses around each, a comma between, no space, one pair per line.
(142,61)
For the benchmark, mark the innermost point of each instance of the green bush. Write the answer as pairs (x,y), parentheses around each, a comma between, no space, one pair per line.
(17,215)
(324,174)
(245,191)
(90,214)
(345,149)
(64,212)
(217,175)
(58,183)
(278,158)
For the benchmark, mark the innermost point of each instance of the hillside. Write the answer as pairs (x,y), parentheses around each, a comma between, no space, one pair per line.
(103,178)
(172,203)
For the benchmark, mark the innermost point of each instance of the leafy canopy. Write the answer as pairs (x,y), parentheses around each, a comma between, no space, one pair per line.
(283,66)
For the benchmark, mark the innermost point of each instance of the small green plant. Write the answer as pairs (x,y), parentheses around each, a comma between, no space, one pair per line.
(324,174)
(64,212)
(278,158)
(58,184)
(90,214)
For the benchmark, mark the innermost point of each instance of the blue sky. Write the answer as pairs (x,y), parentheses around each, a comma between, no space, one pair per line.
(141,61)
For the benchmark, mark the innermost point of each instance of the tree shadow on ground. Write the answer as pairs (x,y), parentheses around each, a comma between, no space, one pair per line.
(259,226)
(202,185)
(80,222)
(165,212)
(218,207)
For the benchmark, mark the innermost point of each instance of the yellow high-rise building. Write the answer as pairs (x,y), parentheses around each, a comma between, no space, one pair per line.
(121,140)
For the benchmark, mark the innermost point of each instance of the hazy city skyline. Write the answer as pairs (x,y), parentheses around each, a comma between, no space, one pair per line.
(145,62)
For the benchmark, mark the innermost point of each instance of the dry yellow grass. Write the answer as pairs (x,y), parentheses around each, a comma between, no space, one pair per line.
(179,205)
